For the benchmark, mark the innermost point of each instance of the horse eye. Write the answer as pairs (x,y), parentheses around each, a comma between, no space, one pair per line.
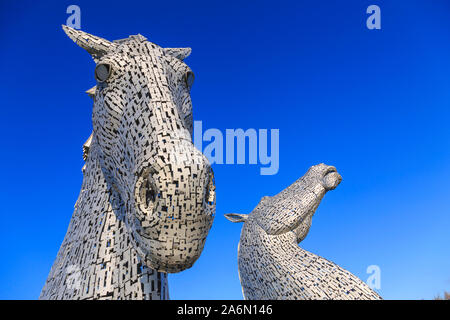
(189,79)
(102,72)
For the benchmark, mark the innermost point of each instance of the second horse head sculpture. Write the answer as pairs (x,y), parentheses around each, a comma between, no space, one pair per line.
(272,265)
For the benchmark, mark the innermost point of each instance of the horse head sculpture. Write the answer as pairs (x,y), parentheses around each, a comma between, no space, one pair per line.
(162,186)
(271,263)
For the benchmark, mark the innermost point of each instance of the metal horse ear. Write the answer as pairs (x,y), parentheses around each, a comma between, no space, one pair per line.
(179,53)
(236,217)
(96,46)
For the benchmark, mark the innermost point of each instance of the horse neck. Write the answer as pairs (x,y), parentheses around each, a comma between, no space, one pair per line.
(96,259)
(322,278)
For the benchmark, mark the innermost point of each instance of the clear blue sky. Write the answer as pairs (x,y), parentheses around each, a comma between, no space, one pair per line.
(373,103)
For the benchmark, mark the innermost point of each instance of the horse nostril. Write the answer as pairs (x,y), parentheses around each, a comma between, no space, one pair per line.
(210,195)
(146,194)
(149,194)
(330,169)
